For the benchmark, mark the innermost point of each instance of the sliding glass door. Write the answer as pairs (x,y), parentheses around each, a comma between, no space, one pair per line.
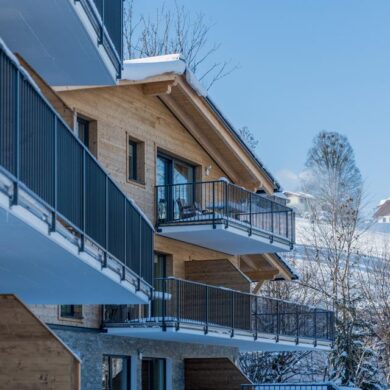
(170,173)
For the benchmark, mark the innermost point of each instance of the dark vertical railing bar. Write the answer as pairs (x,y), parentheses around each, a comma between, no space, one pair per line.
(84,196)
(17,143)
(256,317)
(45,159)
(177,304)
(315,326)
(206,328)
(55,178)
(232,304)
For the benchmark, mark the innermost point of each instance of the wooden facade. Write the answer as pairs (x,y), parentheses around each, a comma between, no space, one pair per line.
(213,373)
(31,356)
(158,119)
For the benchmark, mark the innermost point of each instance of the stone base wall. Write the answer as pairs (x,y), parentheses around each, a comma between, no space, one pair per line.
(90,346)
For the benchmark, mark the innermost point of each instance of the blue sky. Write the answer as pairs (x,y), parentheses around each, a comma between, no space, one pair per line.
(306,66)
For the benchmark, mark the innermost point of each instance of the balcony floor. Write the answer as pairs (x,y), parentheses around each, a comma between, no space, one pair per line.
(57,40)
(232,240)
(244,341)
(48,269)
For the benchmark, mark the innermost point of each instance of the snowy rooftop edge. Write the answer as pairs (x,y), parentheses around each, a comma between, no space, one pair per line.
(143,68)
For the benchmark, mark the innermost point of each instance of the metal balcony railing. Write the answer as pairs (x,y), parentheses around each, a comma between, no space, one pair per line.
(178,302)
(214,202)
(42,157)
(106,17)
(290,386)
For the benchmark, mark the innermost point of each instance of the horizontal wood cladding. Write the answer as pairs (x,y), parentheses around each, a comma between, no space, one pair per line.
(219,272)
(126,111)
(31,356)
(213,374)
(182,252)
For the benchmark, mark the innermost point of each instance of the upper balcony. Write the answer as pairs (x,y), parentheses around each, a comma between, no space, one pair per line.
(68,234)
(68,42)
(224,217)
(189,311)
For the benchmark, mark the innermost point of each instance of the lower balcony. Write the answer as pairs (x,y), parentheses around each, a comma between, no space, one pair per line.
(224,217)
(197,313)
(68,234)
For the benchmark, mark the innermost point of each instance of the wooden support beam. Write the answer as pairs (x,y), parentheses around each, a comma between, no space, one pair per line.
(159,88)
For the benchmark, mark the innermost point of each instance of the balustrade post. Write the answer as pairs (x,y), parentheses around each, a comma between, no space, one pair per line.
(225,186)
(15,195)
(177,304)
(206,328)
(55,178)
(272,222)
(297,324)
(277,322)
(315,326)
(163,308)
(250,214)
(233,313)
(83,196)
(256,317)
(125,229)
(213,199)
(287,213)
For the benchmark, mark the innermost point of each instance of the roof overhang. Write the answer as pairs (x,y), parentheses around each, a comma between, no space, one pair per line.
(199,115)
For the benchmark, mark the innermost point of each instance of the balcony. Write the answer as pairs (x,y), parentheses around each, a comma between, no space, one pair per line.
(224,217)
(193,312)
(68,234)
(291,386)
(68,42)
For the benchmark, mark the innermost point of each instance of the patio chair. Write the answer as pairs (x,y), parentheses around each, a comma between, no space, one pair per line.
(187,210)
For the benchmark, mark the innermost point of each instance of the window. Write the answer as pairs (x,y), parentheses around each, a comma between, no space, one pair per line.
(135,160)
(83,130)
(153,374)
(116,373)
(160,266)
(132,156)
(71,311)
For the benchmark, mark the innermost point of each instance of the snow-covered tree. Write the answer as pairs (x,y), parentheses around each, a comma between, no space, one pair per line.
(333,236)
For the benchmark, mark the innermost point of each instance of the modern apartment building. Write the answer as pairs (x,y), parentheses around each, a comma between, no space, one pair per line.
(135,222)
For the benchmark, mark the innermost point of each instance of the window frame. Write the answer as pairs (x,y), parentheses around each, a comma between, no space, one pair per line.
(127,359)
(150,376)
(86,123)
(73,316)
(133,145)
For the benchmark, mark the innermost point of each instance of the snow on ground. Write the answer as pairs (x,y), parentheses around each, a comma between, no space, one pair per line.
(373,242)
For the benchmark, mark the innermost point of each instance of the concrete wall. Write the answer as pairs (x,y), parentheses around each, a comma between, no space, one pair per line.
(90,347)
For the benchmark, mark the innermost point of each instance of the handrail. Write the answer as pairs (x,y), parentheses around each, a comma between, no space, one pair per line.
(42,156)
(182,302)
(218,201)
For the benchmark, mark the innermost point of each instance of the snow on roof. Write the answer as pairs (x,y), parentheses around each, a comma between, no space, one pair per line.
(383,209)
(143,68)
(299,194)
